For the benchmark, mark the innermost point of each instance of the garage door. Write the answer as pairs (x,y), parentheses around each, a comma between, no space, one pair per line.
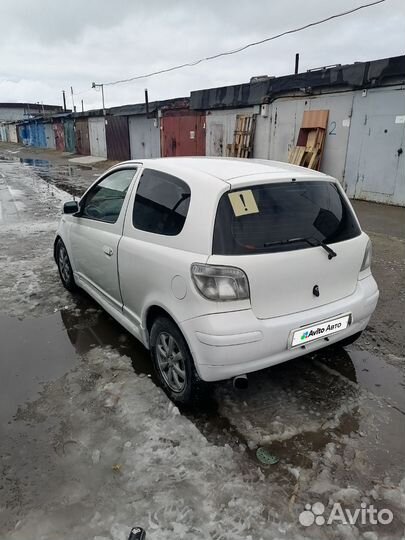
(98,147)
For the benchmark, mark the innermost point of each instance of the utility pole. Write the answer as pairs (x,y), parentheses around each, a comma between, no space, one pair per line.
(297,61)
(82,106)
(147,102)
(64,100)
(73,101)
(94,85)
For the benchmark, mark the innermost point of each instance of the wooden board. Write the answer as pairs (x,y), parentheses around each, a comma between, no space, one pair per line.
(315,119)
(243,136)
(311,140)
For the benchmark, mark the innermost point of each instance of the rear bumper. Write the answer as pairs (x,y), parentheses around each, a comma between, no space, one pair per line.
(228,344)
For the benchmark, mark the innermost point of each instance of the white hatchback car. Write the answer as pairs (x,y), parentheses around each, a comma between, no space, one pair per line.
(220,266)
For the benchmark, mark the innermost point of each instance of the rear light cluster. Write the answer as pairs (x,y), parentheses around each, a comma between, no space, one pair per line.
(367,257)
(220,283)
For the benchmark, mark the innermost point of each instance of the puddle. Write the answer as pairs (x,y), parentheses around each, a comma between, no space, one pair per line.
(367,394)
(40,163)
(32,351)
(66,177)
(369,372)
(71,178)
(88,326)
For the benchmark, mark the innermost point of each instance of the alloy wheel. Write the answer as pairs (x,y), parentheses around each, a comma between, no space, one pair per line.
(64,265)
(170,362)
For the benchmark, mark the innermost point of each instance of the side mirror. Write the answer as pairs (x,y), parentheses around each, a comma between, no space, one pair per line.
(70,207)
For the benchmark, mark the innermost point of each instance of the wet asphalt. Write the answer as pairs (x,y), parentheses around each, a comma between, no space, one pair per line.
(351,400)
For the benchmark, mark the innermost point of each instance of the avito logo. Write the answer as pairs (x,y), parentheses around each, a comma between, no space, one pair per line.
(315,514)
(313,333)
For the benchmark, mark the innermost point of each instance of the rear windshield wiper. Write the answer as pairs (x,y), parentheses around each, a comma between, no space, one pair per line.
(328,249)
(311,241)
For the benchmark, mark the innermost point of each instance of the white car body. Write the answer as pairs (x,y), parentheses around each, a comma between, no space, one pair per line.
(134,273)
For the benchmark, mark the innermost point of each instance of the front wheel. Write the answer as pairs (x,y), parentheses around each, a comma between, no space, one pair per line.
(173,362)
(64,267)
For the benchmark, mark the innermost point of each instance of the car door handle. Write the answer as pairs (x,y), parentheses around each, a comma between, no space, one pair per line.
(108,251)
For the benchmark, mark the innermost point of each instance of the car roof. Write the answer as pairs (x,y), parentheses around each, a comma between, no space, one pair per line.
(232,170)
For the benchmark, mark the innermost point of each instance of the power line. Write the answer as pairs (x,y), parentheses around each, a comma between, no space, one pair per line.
(244,47)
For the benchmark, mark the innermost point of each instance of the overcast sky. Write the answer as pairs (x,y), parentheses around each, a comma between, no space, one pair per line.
(50,45)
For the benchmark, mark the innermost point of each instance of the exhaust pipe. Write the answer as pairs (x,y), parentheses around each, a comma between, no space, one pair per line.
(240,382)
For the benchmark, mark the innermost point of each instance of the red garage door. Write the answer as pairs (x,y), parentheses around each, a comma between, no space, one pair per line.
(183,133)
(59,136)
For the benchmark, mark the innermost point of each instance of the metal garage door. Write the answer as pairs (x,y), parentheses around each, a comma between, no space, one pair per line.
(68,127)
(144,137)
(286,122)
(183,133)
(59,135)
(220,127)
(375,165)
(49,135)
(337,134)
(98,146)
(117,138)
(82,137)
(12,133)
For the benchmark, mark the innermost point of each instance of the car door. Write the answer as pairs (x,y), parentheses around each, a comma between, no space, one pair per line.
(148,263)
(95,233)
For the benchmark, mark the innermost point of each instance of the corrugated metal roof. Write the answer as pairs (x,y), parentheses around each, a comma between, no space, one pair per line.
(352,76)
(38,106)
(140,108)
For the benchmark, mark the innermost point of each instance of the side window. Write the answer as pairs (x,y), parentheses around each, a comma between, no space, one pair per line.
(105,200)
(161,203)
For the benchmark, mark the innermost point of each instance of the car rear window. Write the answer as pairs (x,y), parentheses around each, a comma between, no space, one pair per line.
(282,217)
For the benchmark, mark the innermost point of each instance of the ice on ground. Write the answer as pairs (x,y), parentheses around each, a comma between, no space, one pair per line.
(346,495)
(323,483)
(170,479)
(336,461)
(26,260)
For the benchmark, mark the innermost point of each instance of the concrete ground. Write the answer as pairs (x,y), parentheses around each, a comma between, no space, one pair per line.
(90,446)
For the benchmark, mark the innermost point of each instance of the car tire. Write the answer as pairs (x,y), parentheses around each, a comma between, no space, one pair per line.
(64,266)
(349,340)
(173,363)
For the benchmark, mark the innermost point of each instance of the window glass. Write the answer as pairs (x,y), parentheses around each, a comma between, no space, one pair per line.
(105,200)
(161,203)
(282,217)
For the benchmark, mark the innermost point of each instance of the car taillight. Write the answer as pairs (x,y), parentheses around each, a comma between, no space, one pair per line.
(367,257)
(220,283)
